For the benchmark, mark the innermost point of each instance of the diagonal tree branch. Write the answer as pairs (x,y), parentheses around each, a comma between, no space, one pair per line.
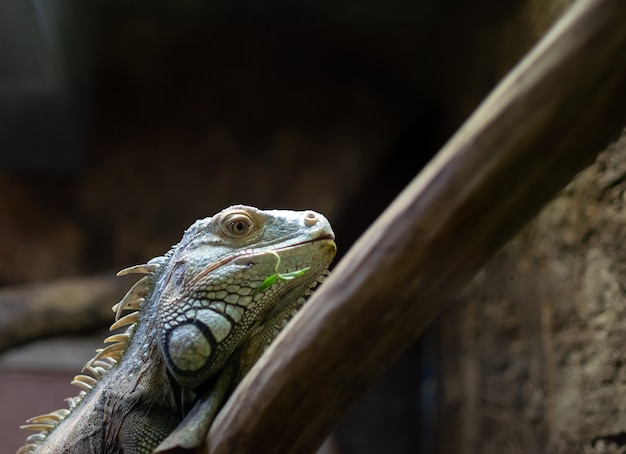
(545,121)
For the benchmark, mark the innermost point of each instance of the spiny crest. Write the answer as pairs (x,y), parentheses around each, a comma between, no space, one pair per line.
(104,359)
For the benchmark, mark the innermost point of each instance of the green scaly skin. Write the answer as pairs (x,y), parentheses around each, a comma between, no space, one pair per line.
(201,317)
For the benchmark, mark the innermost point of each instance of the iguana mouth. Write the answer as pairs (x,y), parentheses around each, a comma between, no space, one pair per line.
(324,237)
(229,258)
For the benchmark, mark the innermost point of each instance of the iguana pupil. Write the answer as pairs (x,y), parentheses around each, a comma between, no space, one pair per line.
(239,226)
(199,320)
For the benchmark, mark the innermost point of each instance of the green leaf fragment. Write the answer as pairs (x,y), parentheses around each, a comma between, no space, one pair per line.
(292,275)
(272,279)
(268,282)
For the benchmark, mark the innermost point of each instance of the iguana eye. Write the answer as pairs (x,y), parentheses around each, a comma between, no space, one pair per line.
(237,225)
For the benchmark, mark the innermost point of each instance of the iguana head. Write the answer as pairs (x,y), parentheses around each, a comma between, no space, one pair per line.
(231,274)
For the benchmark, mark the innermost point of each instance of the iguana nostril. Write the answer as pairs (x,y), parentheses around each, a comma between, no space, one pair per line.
(310,219)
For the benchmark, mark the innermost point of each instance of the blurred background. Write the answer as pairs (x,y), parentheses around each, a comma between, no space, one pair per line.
(123,122)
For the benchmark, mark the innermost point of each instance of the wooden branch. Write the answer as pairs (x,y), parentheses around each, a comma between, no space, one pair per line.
(545,121)
(63,307)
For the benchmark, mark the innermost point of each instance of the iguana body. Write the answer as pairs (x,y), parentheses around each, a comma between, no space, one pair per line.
(200,319)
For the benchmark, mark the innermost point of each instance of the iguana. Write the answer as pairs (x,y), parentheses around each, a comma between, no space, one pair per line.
(198,321)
